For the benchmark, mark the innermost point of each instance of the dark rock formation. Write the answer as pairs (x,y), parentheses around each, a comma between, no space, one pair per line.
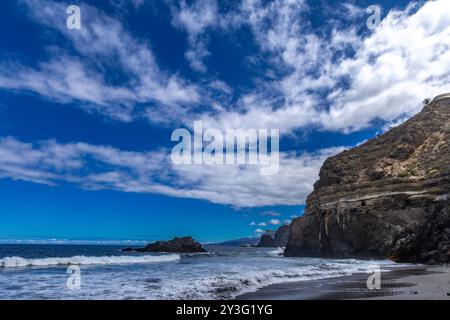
(176,245)
(280,238)
(386,198)
(266,241)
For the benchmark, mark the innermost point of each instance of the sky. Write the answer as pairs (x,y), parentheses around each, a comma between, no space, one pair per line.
(86,115)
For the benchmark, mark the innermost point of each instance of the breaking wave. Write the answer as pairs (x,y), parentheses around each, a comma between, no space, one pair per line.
(17,262)
(233,284)
(276,253)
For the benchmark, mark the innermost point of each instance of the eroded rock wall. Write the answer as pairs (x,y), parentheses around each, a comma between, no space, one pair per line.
(386,198)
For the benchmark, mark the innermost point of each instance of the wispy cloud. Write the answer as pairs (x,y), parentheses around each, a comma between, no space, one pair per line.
(198,18)
(354,10)
(314,81)
(104,167)
(274,222)
(102,44)
(270,213)
(195,19)
(405,59)
(262,224)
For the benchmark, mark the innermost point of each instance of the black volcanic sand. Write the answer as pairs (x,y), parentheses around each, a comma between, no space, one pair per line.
(415,282)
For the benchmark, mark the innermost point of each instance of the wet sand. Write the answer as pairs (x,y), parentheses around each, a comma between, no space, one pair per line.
(415,282)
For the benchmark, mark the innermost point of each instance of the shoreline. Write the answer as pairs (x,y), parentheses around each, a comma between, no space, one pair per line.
(414,282)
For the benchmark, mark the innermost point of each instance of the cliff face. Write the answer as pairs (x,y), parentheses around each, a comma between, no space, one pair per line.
(386,198)
(280,238)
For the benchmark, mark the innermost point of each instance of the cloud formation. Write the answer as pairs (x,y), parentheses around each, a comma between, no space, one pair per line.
(334,79)
(313,82)
(274,222)
(103,46)
(195,19)
(103,167)
(393,68)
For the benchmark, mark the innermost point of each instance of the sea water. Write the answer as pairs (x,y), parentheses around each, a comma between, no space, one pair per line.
(40,272)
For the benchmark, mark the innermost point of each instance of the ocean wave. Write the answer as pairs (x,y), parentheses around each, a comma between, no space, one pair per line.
(276,253)
(17,262)
(232,285)
(197,254)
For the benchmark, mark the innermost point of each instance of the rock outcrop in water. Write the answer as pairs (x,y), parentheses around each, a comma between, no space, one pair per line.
(280,238)
(176,245)
(266,241)
(388,197)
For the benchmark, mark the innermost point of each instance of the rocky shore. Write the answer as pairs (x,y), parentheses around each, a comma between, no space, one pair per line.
(387,198)
(414,282)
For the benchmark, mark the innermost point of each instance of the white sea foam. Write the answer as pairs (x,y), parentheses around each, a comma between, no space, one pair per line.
(228,286)
(276,253)
(16,262)
(215,277)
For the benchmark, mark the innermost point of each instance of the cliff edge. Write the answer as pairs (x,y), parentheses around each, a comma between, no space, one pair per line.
(387,198)
(279,238)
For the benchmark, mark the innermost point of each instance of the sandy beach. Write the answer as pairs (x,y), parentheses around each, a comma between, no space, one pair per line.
(415,282)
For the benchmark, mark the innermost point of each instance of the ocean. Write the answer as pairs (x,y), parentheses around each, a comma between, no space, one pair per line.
(41,272)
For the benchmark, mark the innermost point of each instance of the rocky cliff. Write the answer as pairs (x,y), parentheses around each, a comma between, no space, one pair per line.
(279,239)
(282,235)
(266,241)
(388,197)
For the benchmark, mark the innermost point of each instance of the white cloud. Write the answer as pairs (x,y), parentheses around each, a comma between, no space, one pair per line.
(274,222)
(244,186)
(262,224)
(103,167)
(354,11)
(265,224)
(67,80)
(270,213)
(221,86)
(259,230)
(401,62)
(195,19)
(103,44)
(405,59)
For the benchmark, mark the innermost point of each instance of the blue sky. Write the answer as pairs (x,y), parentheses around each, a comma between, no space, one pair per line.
(86,115)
